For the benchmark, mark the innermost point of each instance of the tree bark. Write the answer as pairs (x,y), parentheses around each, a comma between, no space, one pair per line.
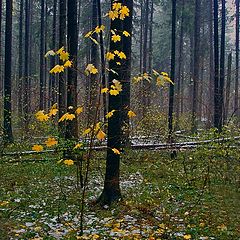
(222,66)
(26,68)
(111,191)
(42,47)
(236,96)
(72,37)
(20,61)
(62,76)
(173,56)
(7,113)
(195,97)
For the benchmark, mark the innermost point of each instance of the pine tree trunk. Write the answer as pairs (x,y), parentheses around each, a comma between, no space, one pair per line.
(171,89)
(62,76)
(7,113)
(111,191)
(52,78)
(20,61)
(228,87)
(222,67)
(72,30)
(42,47)
(236,96)
(180,66)
(216,67)
(26,68)
(195,97)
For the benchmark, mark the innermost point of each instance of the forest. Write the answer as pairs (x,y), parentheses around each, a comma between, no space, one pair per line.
(119,119)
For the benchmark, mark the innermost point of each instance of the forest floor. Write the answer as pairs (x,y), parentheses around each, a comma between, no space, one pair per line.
(189,197)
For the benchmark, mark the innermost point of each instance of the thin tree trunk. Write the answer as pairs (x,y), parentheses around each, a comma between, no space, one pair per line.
(7,113)
(72,30)
(1,82)
(211,67)
(42,47)
(236,96)
(196,65)
(94,60)
(216,67)
(103,64)
(180,71)
(228,86)
(62,76)
(150,57)
(171,89)
(26,68)
(222,66)
(20,61)
(52,78)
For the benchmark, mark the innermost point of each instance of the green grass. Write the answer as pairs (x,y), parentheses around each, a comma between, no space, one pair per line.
(196,194)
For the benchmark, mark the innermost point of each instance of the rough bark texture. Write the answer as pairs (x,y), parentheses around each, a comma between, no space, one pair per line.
(171,89)
(111,191)
(72,30)
(62,76)
(7,113)
(20,60)
(196,65)
(26,68)
(222,66)
(228,86)
(216,67)
(42,47)
(236,100)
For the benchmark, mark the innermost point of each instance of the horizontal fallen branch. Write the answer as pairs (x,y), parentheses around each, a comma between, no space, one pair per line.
(154,146)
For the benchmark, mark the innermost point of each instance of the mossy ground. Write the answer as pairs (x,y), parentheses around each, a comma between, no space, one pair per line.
(195,195)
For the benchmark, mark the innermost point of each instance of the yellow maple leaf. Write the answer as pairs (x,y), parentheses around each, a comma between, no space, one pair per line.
(117,85)
(114,92)
(110,114)
(59,51)
(57,69)
(113,14)
(131,114)
(67,116)
(37,148)
(104,90)
(116,38)
(51,142)
(68,162)
(40,116)
(122,55)
(79,110)
(110,56)
(101,135)
(77,146)
(116,6)
(188,236)
(53,112)
(64,56)
(99,29)
(87,131)
(126,33)
(91,69)
(124,12)
(116,151)
(67,64)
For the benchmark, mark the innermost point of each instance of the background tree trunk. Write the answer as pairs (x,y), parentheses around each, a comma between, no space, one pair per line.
(7,113)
